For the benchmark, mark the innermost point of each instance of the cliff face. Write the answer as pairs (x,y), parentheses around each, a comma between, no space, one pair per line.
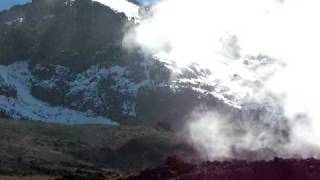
(73,58)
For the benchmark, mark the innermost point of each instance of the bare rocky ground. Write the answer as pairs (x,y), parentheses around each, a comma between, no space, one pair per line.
(35,150)
(276,169)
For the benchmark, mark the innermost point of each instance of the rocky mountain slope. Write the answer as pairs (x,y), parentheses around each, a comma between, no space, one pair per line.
(73,61)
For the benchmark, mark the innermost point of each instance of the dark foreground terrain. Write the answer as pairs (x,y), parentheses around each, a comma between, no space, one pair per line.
(34,150)
(39,151)
(277,169)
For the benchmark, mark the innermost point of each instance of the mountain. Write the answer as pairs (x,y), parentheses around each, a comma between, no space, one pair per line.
(63,61)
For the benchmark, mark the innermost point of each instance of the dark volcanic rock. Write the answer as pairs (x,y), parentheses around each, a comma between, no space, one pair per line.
(7,89)
(277,169)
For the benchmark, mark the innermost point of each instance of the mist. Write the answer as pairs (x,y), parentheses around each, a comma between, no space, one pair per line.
(271,46)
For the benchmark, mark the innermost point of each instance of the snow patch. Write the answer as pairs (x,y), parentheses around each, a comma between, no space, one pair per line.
(15,21)
(25,106)
(87,84)
(129,9)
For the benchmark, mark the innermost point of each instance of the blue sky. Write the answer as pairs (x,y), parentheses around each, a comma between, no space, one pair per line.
(5,4)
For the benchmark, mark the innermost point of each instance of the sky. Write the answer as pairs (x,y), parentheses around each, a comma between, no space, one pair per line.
(5,4)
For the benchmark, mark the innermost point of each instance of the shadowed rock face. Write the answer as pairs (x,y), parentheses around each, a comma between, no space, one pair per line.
(276,169)
(76,34)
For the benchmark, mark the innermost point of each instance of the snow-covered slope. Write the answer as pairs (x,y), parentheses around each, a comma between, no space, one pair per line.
(104,80)
(25,106)
(129,9)
(230,87)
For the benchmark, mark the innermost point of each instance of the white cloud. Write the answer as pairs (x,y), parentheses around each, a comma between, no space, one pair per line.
(221,34)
